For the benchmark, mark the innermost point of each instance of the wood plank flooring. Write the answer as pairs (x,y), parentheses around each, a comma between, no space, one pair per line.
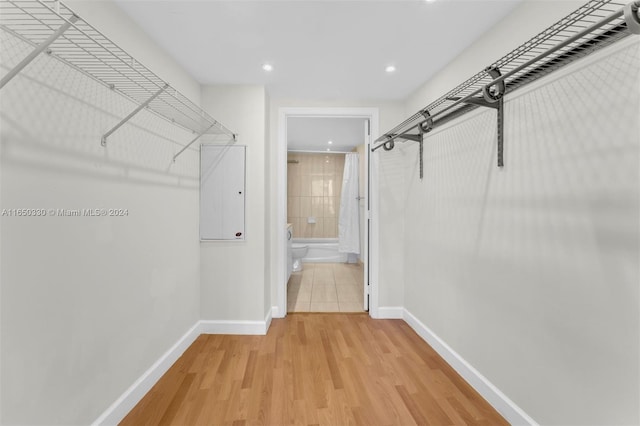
(314,369)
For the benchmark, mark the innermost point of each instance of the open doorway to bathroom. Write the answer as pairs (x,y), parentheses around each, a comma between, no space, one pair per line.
(369,251)
(327,205)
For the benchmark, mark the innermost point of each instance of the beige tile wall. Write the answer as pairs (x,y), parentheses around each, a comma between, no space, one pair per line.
(314,185)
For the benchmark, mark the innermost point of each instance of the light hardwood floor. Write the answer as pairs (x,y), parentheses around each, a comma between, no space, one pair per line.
(314,369)
(326,287)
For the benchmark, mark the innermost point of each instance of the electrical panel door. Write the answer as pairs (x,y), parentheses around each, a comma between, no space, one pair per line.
(222,198)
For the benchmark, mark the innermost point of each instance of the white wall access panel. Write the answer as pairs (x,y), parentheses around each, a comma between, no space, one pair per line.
(222,187)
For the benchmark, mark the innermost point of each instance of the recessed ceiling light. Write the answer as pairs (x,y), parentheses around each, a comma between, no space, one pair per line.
(267,67)
(330,142)
(328,149)
(390,68)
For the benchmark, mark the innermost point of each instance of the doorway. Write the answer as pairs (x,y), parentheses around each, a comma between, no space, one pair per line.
(362,269)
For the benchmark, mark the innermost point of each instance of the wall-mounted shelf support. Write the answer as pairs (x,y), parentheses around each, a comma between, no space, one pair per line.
(500,131)
(38,50)
(632,16)
(409,137)
(425,127)
(142,106)
(421,158)
(492,97)
(184,148)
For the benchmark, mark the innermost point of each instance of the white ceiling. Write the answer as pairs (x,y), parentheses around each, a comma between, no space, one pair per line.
(322,49)
(314,133)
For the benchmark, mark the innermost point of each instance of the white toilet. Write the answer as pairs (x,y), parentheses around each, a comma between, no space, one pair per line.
(299,252)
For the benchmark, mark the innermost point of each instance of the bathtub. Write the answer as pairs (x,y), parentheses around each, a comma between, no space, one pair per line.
(322,250)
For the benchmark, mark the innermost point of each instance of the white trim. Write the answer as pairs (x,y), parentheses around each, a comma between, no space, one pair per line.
(275,313)
(390,312)
(280,257)
(234,327)
(281,202)
(267,320)
(125,403)
(366,208)
(374,234)
(507,408)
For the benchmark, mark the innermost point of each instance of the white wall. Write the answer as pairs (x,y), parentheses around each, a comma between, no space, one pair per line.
(233,273)
(269,202)
(390,281)
(89,303)
(531,272)
(392,198)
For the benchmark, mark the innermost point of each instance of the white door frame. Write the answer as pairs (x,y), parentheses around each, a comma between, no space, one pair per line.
(280,305)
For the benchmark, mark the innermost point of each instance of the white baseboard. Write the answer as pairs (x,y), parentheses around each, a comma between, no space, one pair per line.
(507,408)
(275,312)
(235,327)
(125,403)
(121,407)
(267,320)
(390,312)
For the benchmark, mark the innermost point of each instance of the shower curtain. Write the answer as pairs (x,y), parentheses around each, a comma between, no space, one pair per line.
(349,216)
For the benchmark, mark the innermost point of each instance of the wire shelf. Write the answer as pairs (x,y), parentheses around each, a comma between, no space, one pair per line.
(593,26)
(89,51)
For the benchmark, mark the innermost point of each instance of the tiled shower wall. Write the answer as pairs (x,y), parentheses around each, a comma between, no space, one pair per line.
(314,185)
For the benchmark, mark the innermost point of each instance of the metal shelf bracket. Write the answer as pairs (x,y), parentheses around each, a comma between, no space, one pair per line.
(184,148)
(140,107)
(632,17)
(37,51)
(424,127)
(492,97)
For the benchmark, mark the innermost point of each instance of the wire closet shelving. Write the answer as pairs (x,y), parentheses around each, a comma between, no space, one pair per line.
(593,26)
(51,27)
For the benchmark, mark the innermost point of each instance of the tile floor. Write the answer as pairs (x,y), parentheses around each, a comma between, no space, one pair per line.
(326,287)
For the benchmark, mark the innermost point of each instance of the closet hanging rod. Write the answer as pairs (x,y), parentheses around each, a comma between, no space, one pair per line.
(630,24)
